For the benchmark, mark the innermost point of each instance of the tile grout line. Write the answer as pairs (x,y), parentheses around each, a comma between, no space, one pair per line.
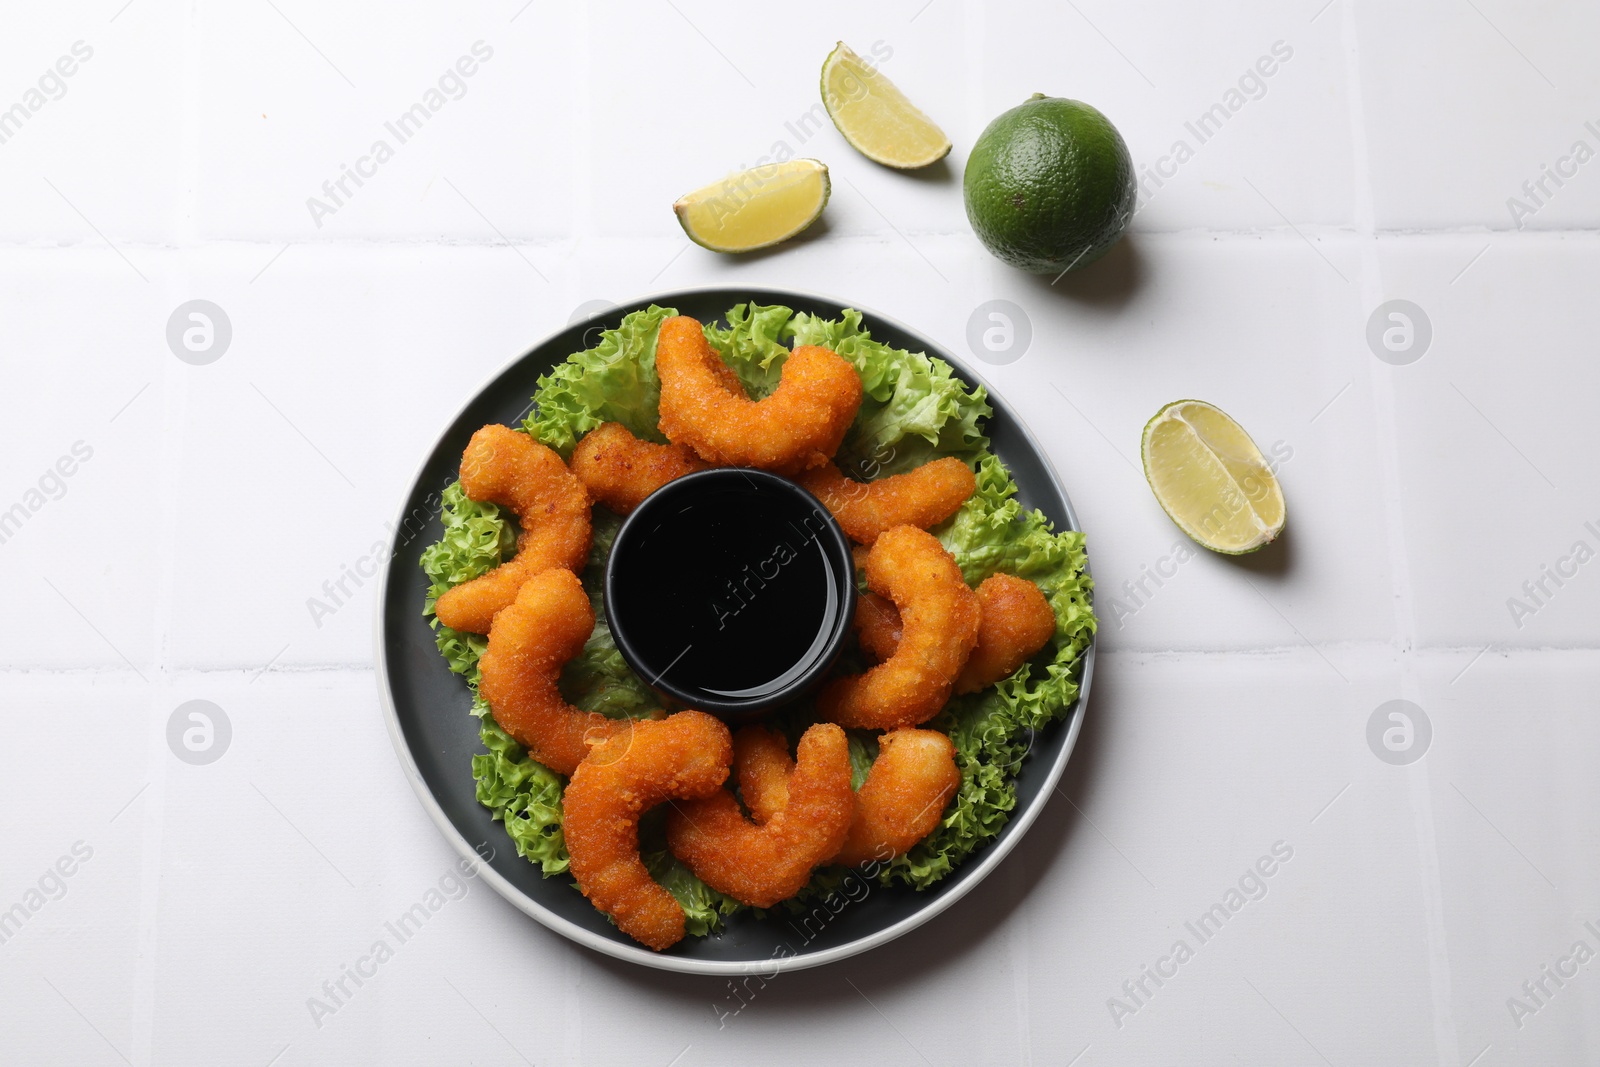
(152,834)
(975,34)
(1381,377)
(1322,230)
(582,172)
(1020,937)
(174,408)
(152,810)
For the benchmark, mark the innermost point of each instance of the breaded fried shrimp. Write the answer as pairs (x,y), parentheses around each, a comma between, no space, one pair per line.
(939,626)
(877,625)
(762,864)
(1015,620)
(922,497)
(800,425)
(511,469)
(619,470)
(762,765)
(898,805)
(904,796)
(677,758)
(529,643)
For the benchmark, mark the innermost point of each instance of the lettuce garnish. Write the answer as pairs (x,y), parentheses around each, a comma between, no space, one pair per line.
(915,410)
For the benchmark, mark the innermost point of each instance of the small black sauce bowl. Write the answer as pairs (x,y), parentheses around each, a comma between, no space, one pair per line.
(793,571)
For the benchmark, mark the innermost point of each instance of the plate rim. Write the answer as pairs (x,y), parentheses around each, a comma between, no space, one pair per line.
(991,855)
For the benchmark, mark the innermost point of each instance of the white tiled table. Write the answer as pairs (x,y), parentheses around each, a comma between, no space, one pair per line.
(206,904)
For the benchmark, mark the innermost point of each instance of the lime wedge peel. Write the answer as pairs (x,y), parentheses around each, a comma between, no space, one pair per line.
(756,208)
(1211,479)
(875,117)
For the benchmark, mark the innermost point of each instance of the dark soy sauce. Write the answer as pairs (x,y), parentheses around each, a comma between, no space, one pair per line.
(731,594)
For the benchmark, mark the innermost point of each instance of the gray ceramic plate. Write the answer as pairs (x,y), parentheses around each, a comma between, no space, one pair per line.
(435,737)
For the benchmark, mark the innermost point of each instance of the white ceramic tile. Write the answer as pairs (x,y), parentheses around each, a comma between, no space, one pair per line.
(715,108)
(1438,77)
(300,440)
(80,530)
(290,97)
(76,855)
(1259,765)
(102,148)
(1220,101)
(260,863)
(1254,327)
(1510,788)
(1495,485)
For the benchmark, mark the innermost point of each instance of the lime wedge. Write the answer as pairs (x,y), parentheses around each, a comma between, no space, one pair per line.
(1211,478)
(755,208)
(875,117)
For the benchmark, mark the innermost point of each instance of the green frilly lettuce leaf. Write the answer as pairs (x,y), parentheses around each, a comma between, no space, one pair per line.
(615,381)
(476,537)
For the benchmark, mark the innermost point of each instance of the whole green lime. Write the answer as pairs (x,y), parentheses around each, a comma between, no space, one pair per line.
(1050,186)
